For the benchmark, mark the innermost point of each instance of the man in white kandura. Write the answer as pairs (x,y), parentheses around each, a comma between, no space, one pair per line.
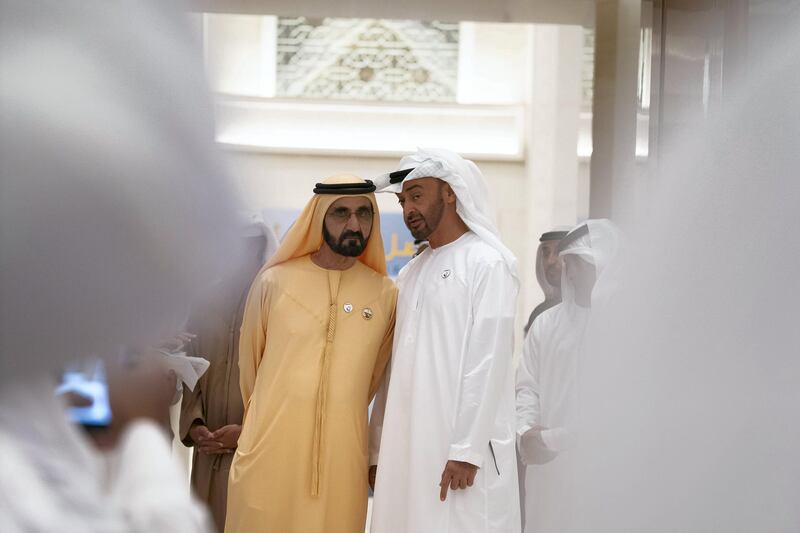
(442,431)
(549,369)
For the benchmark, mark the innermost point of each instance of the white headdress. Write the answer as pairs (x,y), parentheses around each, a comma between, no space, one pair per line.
(467,182)
(597,242)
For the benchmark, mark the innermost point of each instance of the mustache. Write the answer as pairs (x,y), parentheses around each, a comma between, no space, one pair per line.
(348,234)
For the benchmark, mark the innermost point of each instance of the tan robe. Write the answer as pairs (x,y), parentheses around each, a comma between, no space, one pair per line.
(314,347)
(216,400)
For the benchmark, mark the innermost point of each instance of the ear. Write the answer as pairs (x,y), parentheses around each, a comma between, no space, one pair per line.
(449,195)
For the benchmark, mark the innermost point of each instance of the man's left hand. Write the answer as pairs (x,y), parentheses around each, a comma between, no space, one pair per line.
(457,475)
(228,436)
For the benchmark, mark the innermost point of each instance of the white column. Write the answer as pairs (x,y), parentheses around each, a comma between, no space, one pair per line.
(552,161)
(616,69)
(241,54)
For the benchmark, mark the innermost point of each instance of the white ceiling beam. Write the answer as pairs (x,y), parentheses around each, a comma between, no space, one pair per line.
(578,12)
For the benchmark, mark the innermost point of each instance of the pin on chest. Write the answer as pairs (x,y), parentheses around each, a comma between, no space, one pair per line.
(366,312)
(435,278)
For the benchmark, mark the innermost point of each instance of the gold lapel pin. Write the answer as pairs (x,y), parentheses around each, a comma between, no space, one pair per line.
(366,313)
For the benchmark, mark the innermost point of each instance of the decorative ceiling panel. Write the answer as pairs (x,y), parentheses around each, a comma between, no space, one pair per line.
(367,59)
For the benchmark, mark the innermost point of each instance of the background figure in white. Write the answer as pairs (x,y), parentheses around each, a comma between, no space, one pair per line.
(448,419)
(548,272)
(549,368)
(113,213)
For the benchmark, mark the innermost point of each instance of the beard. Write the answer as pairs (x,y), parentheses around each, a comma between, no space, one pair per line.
(421,225)
(349,243)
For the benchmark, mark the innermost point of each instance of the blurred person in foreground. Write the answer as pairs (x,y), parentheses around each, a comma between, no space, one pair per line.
(443,424)
(689,383)
(113,215)
(211,412)
(316,338)
(548,273)
(548,370)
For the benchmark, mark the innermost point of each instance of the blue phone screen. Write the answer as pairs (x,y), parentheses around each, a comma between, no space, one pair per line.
(86,392)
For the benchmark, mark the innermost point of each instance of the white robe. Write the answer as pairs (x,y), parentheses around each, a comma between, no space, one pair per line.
(450,396)
(547,386)
(546,382)
(547,373)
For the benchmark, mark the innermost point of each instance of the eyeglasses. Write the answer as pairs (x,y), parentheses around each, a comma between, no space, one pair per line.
(342,214)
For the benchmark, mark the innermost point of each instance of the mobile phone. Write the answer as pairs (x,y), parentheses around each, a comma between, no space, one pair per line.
(85,391)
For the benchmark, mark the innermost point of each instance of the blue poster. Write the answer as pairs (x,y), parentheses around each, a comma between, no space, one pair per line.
(398,244)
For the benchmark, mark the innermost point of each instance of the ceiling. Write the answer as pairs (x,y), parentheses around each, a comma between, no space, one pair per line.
(578,12)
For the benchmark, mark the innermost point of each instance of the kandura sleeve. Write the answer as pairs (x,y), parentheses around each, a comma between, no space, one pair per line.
(487,362)
(253,336)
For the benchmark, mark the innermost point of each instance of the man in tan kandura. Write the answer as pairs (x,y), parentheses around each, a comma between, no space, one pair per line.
(315,341)
(211,413)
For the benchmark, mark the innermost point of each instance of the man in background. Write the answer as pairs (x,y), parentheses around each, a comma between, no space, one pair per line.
(548,272)
(211,413)
(549,369)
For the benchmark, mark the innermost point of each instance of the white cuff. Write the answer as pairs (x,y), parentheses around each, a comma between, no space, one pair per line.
(547,436)
(524,429)
(557,439)
(465,454)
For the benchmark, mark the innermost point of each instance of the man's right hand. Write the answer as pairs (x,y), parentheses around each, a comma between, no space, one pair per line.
(373,472)
(457,475)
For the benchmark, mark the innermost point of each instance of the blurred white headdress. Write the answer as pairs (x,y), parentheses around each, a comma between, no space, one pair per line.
(114,209)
